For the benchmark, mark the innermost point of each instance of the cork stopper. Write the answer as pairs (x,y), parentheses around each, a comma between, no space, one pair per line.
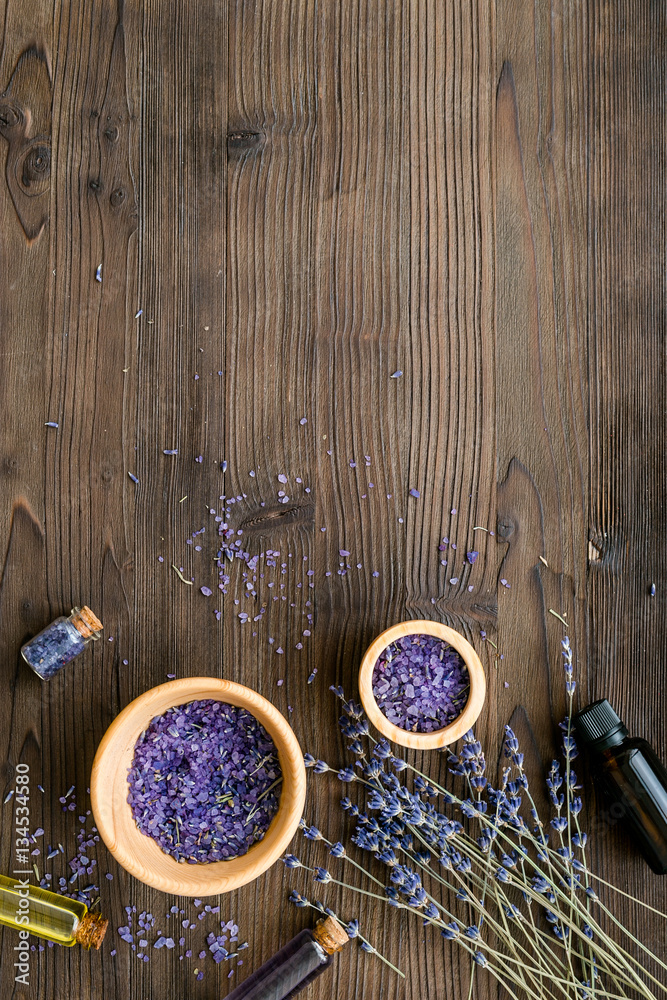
(86,622)
(330,935)
(91,930)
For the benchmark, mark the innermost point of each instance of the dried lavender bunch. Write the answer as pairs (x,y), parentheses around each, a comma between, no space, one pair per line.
(525,906)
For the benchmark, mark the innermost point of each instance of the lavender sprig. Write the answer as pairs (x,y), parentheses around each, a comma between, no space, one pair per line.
(510,874)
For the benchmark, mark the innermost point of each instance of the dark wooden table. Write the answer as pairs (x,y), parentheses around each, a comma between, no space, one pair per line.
(301,199)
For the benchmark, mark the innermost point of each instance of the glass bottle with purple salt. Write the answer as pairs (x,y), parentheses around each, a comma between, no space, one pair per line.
(296,965)
(61,641)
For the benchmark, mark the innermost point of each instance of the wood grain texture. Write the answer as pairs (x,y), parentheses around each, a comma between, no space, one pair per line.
(300,199)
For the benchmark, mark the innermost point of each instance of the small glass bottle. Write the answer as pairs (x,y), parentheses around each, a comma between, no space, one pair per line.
(296,965)
(633,778)
(50,916)
(61,641)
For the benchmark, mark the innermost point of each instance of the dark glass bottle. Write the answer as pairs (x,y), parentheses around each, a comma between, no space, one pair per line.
(296,965)
(633,777)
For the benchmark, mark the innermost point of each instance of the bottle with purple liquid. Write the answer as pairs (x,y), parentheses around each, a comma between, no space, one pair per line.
(296,965)
(61,641)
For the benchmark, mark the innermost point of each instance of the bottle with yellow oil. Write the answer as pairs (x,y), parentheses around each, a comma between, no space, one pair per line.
(47,915)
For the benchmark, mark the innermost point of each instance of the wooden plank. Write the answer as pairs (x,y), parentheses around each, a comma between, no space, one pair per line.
(271,385)
(405,283)
(541,329)
(26,48)
(627,254)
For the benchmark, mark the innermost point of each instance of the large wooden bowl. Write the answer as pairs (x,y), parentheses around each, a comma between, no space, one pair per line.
(461,724)
(139,854)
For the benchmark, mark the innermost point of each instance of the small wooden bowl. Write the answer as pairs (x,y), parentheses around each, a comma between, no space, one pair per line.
(461,724)
(138,853)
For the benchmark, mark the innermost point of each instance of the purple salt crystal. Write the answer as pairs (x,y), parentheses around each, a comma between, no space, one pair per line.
(420,683)
(219,802)
(415,493)
(52,648)
(206,591)
(471,557)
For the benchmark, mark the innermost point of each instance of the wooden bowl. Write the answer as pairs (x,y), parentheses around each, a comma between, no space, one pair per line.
(461,724)
(138,853)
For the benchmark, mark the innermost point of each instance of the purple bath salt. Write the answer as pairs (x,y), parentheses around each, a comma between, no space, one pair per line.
(205,781)
(420,683)
(57,644)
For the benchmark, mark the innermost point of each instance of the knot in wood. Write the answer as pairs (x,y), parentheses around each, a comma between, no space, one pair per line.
(10,115)
(243,139)
(35,172)
(505,528)
(111,133)
(117,197)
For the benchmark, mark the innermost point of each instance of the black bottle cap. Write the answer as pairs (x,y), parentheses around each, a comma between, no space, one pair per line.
(599,726)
